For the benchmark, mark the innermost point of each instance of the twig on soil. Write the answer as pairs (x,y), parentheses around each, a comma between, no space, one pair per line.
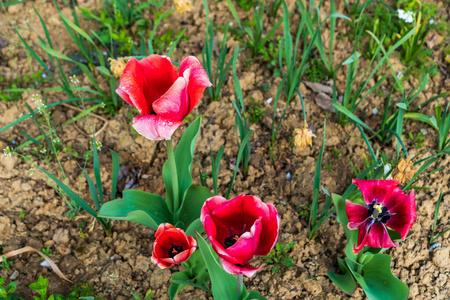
(47,259)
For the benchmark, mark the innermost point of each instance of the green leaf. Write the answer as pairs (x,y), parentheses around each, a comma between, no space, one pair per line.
(184,154)
(224,285)
(193,203)
(115,173)
(175,288)
(254,295)
(351,58)
(344,281)
(72,195)
(3,293)
(139,207)
(194,227)
(378,281)
(11,287)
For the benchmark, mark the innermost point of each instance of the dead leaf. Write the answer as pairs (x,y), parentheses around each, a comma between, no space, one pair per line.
(47,259)
(325,101)
(283,165)
(432,40)
(318,87)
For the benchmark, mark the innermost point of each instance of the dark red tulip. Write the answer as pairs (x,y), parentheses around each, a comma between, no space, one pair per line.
(172,246)
(162,95)
(386,206)
(239,229)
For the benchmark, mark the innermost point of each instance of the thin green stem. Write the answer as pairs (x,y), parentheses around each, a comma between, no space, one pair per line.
(173,176)
(240,283)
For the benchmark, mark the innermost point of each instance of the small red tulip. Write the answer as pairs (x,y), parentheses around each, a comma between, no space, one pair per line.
(386,206)
(239,229)
(162,95)
(172,246)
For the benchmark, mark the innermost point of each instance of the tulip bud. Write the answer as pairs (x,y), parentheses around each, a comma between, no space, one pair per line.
(183,5)
(404,171)
(118,65)
(303,136)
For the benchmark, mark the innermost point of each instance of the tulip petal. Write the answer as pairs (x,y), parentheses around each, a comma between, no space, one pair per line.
(357,214)
(131,86)
(373,235)
(378,237)
(244,248)
(269,234)
(192,70)
(155,127)
(375,189)
(174,103)
(248,270)
(163,227)
(405,215)
(159,76)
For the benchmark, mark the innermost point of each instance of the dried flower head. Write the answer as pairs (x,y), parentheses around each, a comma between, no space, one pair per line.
(405,171)
(118,65)
(303,136)
(183,5)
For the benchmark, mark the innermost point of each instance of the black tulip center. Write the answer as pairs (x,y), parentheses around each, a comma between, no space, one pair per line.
(233,238)
(174,250)
(378,212)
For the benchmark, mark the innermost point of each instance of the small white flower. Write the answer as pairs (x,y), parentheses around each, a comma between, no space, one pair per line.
(21,115)
(375,111)
(43,150)
(74,79)
(37,99)
(7,151)
(31,172)
(431,22)
(57,140)
(423,131)
(406,16)
(98,145)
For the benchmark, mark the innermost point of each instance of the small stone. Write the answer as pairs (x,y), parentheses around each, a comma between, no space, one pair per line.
(14,275)
(49,243)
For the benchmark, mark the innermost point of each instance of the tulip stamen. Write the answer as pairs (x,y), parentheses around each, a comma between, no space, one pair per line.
(174,250)
(233,238)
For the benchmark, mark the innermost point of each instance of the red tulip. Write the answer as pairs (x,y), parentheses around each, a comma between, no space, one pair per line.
(172,246)
(239,229)
(162,95)
(386,206)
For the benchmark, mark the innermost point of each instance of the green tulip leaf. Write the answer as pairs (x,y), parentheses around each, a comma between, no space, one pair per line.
(184,154)
(344,281)
(175,287)
(377,280)
(195,275)
(139,207)
(194,227)
(224,285)
(254,295)
(193,203)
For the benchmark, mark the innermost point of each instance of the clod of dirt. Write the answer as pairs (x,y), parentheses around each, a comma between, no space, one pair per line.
(441,257)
